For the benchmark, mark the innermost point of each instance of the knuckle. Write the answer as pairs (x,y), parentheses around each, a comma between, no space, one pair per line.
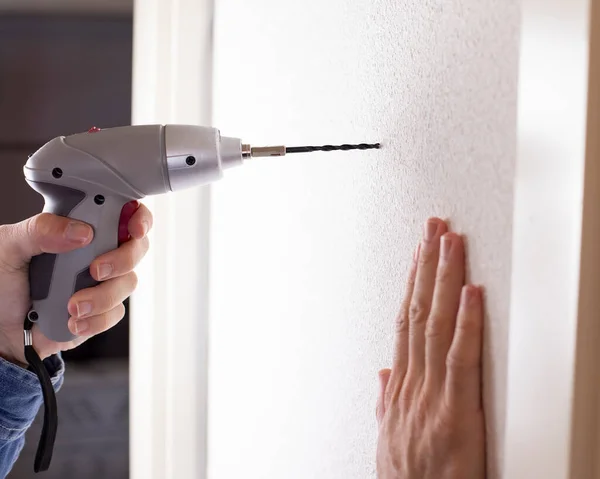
(134,280)
(128,263)
(401,324)
(444,426)
(460,362)
(418,311)
(32,225)
(108,295)
(444,274)
(434,329)
(149,219)
(145,212)
(437,326)
(145,244)
(110,300)
(409,388)
(470,327)
(422,408)
(40,225)
(106,322)
(406,394)
(426,257)
(120,313)
(142,247)
(123,261)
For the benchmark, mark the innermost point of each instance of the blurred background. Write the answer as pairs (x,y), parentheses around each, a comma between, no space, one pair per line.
(65,67)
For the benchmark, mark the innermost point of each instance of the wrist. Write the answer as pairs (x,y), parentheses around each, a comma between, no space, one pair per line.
(12,347)
(9,351)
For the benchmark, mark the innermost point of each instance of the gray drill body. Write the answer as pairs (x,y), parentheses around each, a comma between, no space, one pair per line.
(91,176)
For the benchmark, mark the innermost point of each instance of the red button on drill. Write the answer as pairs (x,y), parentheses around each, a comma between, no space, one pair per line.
(93,129)
(127,212)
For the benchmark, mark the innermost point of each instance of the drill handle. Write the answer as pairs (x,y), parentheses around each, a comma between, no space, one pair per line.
(54,278)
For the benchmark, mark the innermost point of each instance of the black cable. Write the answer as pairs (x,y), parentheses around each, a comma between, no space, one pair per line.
(45,448)
(309,149)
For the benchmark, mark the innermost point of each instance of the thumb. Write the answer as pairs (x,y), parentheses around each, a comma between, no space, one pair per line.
(43,233)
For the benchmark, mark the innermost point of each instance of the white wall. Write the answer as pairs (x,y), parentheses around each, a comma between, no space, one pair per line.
(308,254)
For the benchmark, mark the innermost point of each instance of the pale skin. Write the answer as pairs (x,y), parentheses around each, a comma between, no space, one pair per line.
(429,410)
(93,310)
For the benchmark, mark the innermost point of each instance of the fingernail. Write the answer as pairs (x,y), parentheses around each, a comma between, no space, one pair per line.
(81,326)
(78,232)
(84,308)
(145,227)
(470,295)
(431,228)
(446,246)
(104,271)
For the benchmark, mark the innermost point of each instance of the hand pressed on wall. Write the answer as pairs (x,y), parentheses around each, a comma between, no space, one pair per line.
(429,411)
(93,310)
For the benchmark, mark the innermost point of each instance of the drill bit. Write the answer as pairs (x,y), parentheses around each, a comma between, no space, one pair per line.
(262,151)
(309,149)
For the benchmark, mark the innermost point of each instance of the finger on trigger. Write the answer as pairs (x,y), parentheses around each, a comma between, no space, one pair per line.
(120,261)
(141,222)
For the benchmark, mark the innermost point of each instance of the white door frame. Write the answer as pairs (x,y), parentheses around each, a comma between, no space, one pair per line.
(552,400)
(169,312)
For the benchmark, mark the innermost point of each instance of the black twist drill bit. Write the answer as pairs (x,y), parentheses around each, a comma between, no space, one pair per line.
(309,149)
(249,151)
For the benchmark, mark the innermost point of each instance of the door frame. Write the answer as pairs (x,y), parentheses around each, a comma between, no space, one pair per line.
(552,388)
(172,71)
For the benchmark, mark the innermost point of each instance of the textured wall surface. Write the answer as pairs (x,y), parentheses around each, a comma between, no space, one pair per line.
(309,254)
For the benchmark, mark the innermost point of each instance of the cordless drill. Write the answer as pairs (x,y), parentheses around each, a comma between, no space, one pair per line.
(91,176)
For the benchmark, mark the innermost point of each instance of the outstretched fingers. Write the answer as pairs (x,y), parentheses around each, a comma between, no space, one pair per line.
(446,299)
(400,362)
(421,302)
(463,378)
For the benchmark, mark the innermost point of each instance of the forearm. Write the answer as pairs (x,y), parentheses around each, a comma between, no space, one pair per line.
(20,401)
